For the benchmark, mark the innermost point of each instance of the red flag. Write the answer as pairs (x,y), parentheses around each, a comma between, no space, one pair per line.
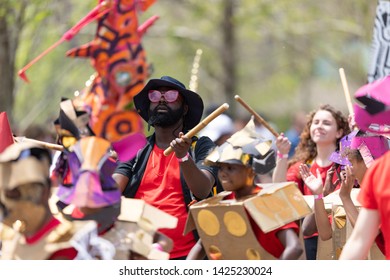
(6,138)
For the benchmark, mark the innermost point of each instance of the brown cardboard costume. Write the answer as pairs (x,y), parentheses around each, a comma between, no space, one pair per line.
(224,226)
(138,224)
(341,228)
(28,229)
(66,235)
(245,147)
(135,235)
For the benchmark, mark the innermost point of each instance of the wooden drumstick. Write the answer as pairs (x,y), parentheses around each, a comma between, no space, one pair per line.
(346,90)
(47,145)
(257,116)
(202,124)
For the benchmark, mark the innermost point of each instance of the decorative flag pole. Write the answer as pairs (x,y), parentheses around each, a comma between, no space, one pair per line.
(256,115)
(47,145)
(346,91)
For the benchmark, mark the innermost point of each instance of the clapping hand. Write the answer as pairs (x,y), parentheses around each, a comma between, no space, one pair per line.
(329,185)
(347,182)
(312,182)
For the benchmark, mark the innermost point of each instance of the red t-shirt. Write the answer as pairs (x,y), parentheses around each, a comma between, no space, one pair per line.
(294,176)
(161,188)
(269,241)
(375,194)
(63,254)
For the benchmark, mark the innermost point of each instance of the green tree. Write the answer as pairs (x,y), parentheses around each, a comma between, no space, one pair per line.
(12,19)
(279,56)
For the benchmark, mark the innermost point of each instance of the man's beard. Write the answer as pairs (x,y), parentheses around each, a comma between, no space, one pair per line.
(165,119)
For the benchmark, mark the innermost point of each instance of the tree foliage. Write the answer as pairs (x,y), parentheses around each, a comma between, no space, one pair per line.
(280,56)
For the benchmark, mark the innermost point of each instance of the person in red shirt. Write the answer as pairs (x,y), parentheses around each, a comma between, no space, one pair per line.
(374,196)
(240,159)
(357,155)
(171,182)
(319,139)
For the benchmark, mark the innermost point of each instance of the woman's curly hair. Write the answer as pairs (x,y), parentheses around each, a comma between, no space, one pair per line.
(307,149)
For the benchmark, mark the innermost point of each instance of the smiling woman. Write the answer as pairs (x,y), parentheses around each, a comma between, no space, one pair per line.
(318,140)
(324,129)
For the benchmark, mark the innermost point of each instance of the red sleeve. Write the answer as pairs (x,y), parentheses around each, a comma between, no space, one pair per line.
(380,242)
(64,254)
(269,241)
(292,225)
(294,176)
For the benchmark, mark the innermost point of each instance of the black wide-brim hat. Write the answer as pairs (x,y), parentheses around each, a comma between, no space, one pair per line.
(192,99)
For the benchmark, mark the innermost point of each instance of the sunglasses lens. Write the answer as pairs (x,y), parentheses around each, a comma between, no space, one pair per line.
(169,96)
(154,95)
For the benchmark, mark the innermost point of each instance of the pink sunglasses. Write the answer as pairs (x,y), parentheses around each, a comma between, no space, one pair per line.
(169,96)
